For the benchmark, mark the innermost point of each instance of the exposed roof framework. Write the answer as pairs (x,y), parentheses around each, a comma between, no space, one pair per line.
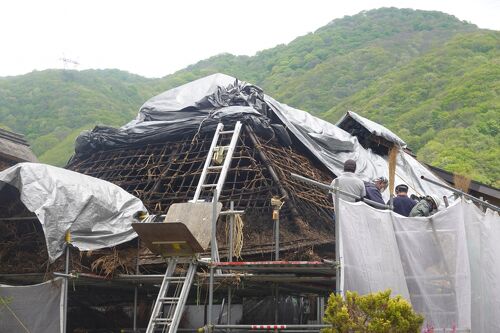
(164,173)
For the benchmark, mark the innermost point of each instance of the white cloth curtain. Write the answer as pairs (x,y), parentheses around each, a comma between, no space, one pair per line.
(371,260)
(36,308)
(483,241)
(447,265)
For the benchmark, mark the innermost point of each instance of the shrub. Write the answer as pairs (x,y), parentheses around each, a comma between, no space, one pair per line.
(373,313)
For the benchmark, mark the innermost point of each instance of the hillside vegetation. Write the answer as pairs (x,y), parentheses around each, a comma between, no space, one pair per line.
(428,76)
(51,106)
(446,105)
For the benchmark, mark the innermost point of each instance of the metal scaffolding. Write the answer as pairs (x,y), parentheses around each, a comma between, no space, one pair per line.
(161,174)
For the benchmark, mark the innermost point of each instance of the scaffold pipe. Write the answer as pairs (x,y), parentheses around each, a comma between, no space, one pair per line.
(468,196)
(271,327)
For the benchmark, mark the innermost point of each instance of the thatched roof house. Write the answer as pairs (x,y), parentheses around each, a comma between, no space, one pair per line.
(14,149)
(159,157)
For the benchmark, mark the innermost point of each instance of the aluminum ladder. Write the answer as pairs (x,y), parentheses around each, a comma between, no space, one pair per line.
(215,150)
(169,305)
(227,155)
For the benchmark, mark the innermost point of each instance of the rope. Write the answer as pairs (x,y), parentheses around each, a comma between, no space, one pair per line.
(238,244)
(238,235)
(210,115)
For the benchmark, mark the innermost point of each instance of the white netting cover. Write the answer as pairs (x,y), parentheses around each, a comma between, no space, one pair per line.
(36,308)
(447,265)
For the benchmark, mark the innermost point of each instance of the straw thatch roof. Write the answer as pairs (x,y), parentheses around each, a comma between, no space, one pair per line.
(14,149)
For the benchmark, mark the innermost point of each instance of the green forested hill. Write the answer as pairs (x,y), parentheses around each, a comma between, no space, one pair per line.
(428,76)
(51,107)
(445,104)
(316,71)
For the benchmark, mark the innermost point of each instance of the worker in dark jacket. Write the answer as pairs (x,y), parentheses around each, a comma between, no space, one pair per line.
(374,189)
(401,202)
(426,207)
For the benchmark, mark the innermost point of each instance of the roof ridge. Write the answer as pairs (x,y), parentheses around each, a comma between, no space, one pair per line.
(14,137)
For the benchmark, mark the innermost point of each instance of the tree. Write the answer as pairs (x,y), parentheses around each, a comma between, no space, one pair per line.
(372,313)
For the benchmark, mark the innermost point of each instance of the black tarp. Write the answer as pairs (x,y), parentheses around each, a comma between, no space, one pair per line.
(169,116)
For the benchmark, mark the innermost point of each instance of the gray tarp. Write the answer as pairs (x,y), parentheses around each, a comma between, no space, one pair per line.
(310,130)
(374,128)
(200,104)
(36,308)
(98,214)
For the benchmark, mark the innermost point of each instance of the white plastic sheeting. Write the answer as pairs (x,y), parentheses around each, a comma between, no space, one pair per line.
(324,140)
(36,308)
(371,260)
(185,96)
(374,128)
(447,265)
(483,236)
(97,213)
(328,136)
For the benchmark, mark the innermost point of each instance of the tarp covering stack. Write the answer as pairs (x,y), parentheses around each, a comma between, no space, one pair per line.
(447,265)
(97,214)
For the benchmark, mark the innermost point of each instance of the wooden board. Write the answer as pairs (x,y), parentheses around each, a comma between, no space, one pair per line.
(186,230)
(197,217)
(168,239)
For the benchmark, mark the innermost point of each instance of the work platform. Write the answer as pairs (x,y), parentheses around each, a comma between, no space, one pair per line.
(320,273)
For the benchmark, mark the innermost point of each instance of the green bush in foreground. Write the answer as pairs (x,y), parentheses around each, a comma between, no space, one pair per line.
(374,313)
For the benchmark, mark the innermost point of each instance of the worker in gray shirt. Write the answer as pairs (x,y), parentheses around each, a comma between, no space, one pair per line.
(349,182)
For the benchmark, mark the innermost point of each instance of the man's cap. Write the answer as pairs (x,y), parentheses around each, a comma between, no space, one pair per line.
(381,179)
(402,188)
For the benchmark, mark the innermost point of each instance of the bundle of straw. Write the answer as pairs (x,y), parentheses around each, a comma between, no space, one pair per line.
(393,154)
(123,260)
(462,182)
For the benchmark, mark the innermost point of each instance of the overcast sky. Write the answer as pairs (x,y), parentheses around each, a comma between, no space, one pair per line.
(156,38)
